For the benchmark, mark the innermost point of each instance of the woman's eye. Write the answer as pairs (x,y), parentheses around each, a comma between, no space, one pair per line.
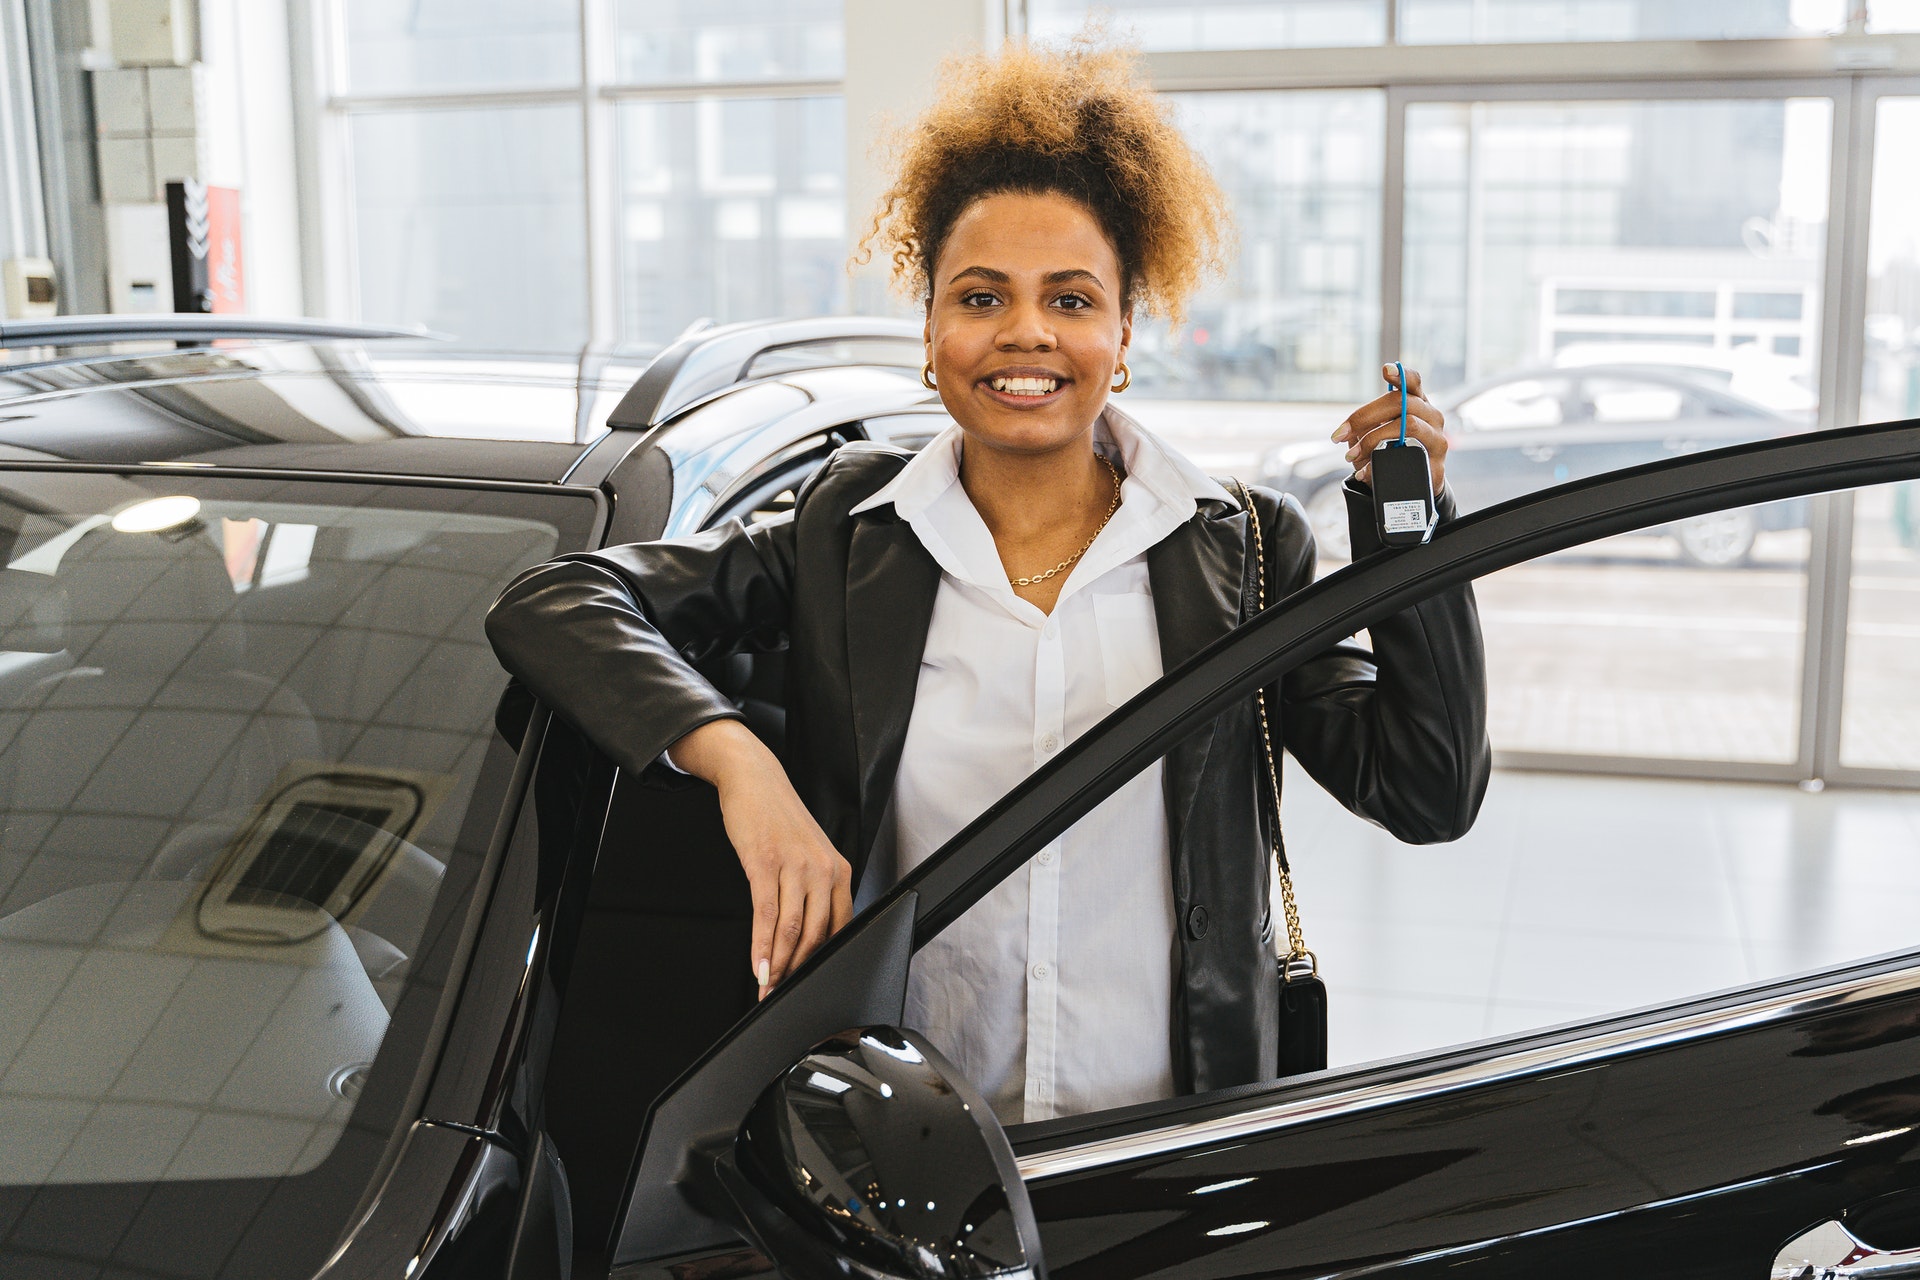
(978,298)
(1072,302)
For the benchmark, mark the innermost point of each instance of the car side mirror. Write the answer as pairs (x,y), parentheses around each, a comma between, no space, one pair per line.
(872,1156)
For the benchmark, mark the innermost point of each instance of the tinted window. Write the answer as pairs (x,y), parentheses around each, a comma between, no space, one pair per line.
(242,735)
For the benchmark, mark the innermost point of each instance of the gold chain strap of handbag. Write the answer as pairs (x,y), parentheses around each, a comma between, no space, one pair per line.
(1296,941)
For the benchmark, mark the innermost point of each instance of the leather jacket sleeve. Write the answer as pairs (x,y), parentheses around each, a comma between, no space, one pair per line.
(1397,734)
(607,638)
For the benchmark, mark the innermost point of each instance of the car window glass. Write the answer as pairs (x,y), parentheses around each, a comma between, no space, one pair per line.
(835,353)
(907,430)
(1577,896)
(1627,400)
(241,728)
(1526,402)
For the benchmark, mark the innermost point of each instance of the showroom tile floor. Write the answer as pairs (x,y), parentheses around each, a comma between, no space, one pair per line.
(1582,895)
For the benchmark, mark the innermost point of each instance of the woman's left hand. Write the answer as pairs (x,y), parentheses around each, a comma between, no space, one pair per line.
(1379,420)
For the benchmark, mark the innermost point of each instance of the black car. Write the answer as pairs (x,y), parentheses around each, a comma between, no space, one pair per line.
(326,952)
(1523,432)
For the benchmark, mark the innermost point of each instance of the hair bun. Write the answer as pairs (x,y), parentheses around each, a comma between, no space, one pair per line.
(1079,120)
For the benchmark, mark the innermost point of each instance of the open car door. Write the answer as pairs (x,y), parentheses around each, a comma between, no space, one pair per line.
(1768,1130)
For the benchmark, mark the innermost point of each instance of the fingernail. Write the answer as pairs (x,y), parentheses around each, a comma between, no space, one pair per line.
(764,972)
(1340,432)
(1352,454)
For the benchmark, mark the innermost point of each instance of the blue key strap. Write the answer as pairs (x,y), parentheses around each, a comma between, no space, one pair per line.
(1402,371)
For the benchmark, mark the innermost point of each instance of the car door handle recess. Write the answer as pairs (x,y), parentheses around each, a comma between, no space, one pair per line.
(1831,1252)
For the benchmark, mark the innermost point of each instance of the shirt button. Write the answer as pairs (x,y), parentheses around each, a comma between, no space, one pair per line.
(1046,857)
(1049,743)
(1197,922)
(1051,630)
(1041,971)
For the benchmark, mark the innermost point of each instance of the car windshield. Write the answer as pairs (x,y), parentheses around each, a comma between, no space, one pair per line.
(243,725)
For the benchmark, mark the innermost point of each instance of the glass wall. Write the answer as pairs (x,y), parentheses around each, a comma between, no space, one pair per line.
(705,41)
(469,222)
(1475,21)
(1893,15)
(1297,314)
(1180,25)
(1687,234)
(1594,285)
(1880,712)
(1276,350)
(461,44)
(475,191)
(731,209)
(1617,650)
(1169,25)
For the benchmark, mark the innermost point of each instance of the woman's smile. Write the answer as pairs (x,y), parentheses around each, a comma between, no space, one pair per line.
(1025,388)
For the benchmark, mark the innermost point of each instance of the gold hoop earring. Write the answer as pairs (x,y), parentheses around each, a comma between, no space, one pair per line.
(926,376)
(1126,379)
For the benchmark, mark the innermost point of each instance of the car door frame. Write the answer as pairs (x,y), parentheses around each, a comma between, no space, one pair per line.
(858,978)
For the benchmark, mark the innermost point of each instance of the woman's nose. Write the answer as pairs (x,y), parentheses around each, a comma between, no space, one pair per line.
(1025,328)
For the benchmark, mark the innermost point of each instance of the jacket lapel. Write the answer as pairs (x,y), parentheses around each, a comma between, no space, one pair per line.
(1197,574)
(891,584)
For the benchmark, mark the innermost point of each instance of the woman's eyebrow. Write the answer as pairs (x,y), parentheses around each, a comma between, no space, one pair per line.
(985,273)
(997,276)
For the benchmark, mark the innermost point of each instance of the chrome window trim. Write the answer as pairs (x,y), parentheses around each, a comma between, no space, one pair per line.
(91,330)
(1604,1046)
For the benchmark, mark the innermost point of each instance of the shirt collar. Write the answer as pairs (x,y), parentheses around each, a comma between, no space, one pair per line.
(1158,468)
(1161,492)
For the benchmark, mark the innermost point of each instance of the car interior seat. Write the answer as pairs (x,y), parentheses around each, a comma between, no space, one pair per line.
(154,724)
(660,968)
(752,682)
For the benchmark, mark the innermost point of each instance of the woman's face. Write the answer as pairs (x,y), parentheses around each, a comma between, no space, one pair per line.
(1025,327)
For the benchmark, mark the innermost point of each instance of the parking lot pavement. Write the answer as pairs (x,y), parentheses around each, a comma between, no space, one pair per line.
(1624,650)
(1617,652)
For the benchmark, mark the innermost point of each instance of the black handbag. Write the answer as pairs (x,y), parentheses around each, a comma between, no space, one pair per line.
(1303,996)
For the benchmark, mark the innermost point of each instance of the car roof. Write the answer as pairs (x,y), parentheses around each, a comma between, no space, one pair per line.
(1678,377)
(313,396)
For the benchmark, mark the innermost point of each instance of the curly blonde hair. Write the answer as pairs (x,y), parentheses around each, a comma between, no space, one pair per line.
(1076,120)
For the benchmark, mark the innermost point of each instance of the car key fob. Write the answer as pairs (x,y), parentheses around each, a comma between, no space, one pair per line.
(1403,507)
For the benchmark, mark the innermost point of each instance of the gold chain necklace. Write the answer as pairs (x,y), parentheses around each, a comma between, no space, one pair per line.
(1066,564)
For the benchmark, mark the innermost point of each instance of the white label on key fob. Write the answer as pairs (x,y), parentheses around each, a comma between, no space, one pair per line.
(1404,517)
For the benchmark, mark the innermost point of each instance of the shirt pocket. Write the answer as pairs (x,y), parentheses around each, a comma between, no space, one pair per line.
(1129,643)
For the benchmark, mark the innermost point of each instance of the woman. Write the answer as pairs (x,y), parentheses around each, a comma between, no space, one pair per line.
(952,621)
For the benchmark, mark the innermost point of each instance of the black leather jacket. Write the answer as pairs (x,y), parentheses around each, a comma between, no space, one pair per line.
(608,639)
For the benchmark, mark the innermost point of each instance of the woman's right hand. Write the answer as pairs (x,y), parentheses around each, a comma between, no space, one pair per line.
(802,887)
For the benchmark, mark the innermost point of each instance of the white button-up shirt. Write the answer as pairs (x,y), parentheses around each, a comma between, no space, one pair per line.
(1054,993)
